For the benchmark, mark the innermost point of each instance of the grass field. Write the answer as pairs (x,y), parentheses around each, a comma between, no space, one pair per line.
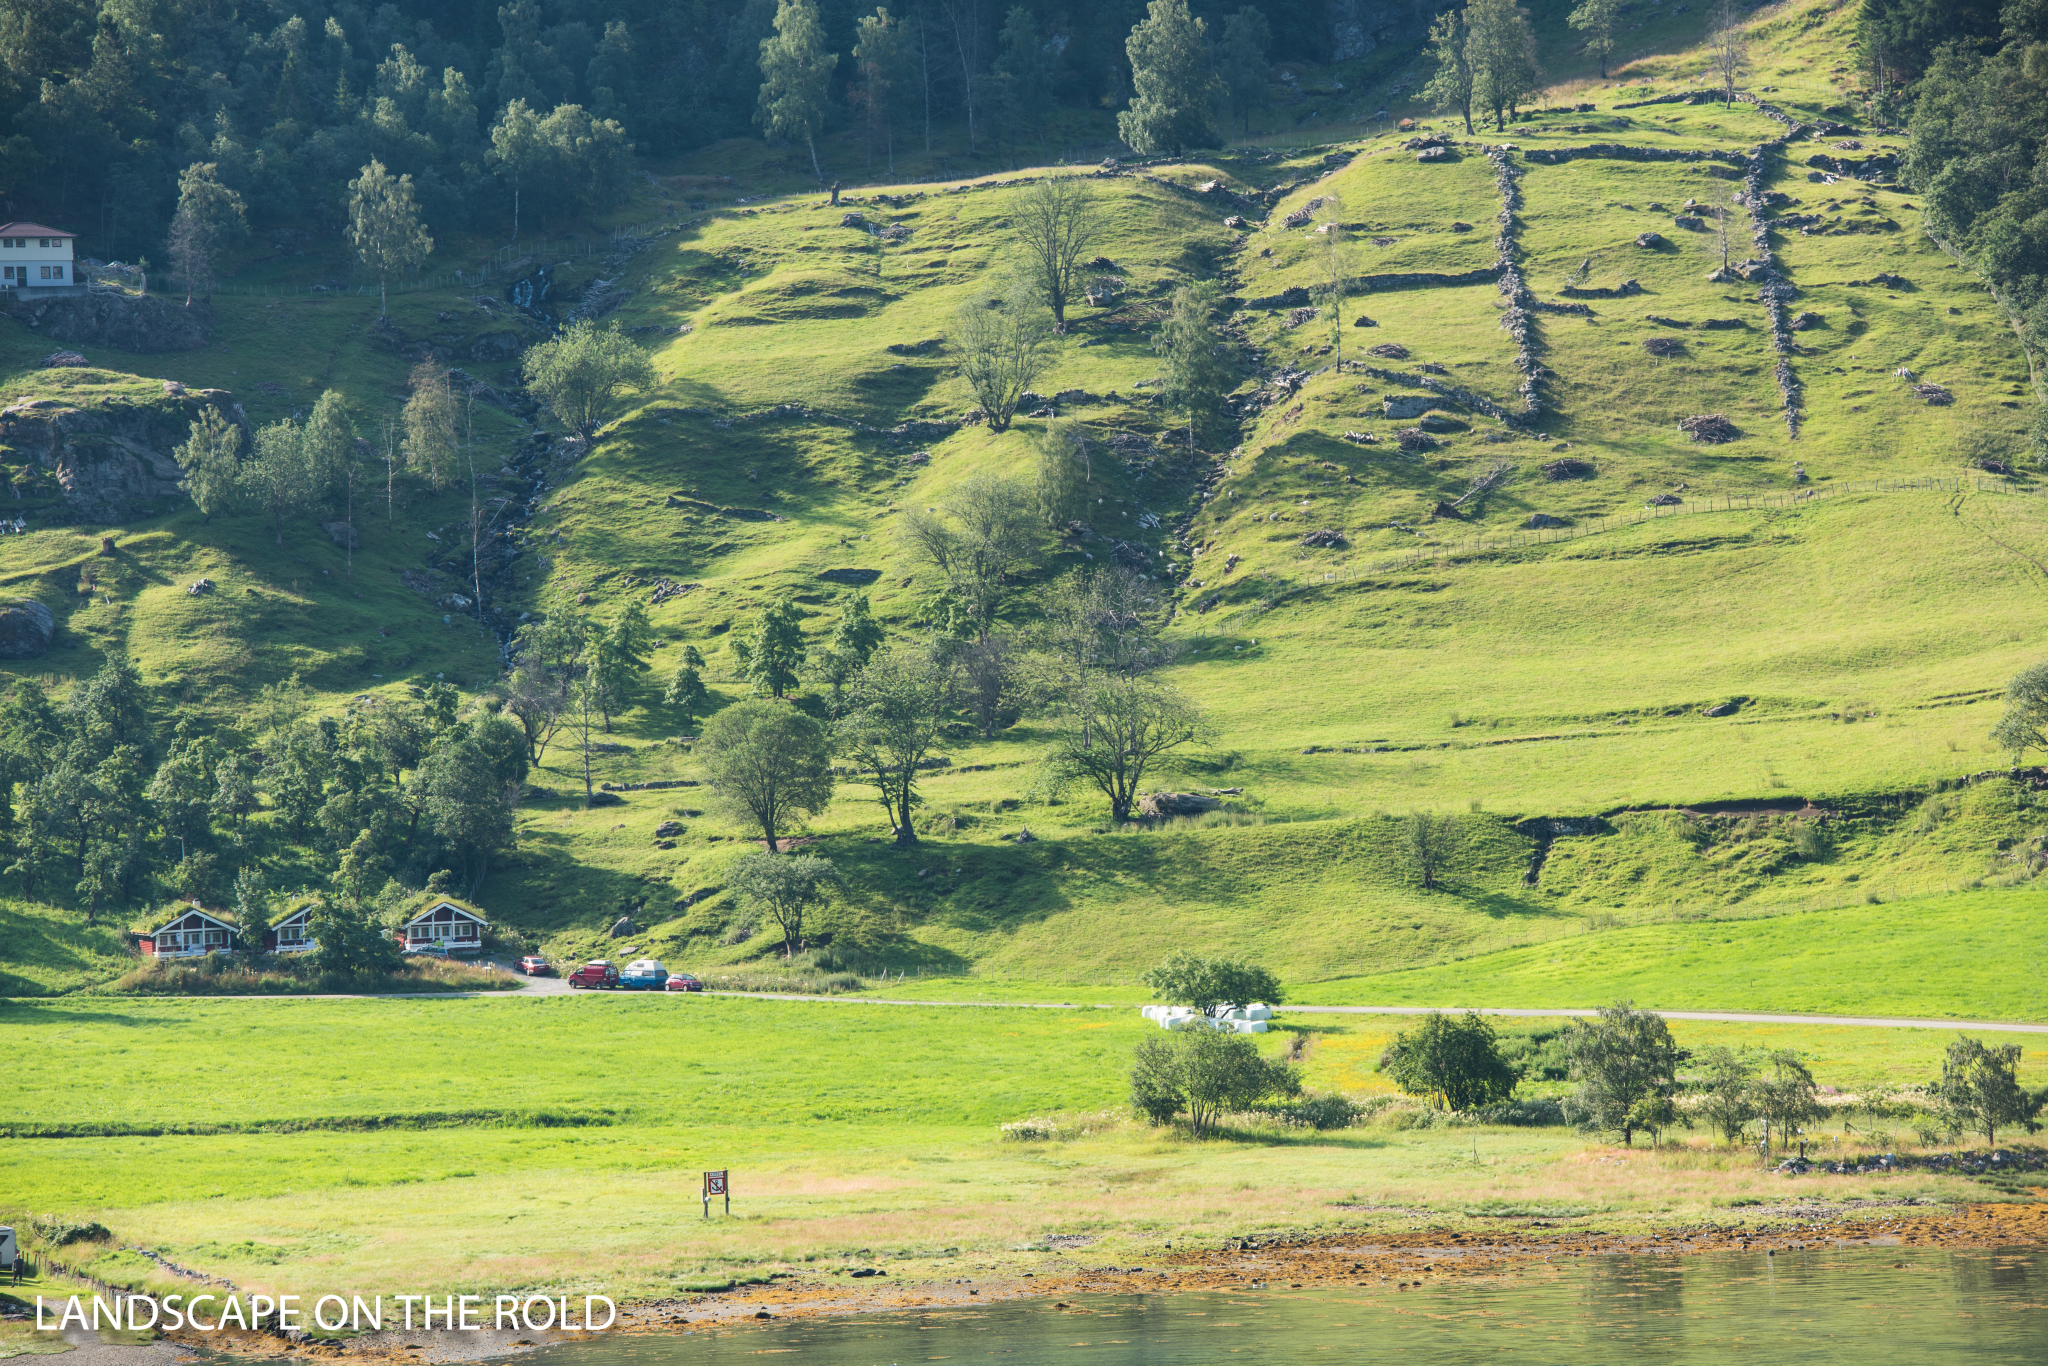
(374,1144)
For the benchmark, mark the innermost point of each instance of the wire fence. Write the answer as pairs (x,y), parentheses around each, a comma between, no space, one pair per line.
(1722,502)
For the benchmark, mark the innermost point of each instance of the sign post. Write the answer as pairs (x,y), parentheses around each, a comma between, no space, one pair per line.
(714,1184)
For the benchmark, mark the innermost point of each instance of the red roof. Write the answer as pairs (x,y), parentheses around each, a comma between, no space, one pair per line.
(32,230)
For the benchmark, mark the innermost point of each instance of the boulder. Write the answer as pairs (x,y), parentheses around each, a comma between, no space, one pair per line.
(668,830)
(1439,425)
(58,360)
(26,627)
(1362,321)
(114,459)
(1539,521)
(1406,407)
(853,220)
(1665,500)
(1806,322)
(1569,468)
(1414,440)
(1933,395)
(109,318)
(858,578)
(1158,804)
(1650,239)
(1236,223)
(622,927)
(1325,539)
(1388,351)
(1664,346)
(343,535)
(1721,709)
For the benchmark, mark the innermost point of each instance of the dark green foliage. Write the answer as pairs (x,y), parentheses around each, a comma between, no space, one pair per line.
(1456,1063)
(350,945)
(1786,1097)
(1626,1065)
(1212,985)
(784,887)
(772,655)
(894,706)
(1205,1072)
(2025,723)
(1173,88)
(1242,63)
(770,763)
(1727,1090)
(1979,1090)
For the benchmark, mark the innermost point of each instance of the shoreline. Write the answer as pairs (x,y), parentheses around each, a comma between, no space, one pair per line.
(1390,1261)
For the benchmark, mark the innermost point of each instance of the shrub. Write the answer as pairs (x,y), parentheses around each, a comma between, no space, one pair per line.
(1205,1071)
(1319,1112)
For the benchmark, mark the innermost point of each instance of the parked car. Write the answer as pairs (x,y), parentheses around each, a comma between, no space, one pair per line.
(533,965)
(683,981)
(597,973)
(426,948)
(643,974)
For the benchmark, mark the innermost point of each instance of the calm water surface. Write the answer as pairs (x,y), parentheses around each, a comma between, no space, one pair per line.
(1865,1306)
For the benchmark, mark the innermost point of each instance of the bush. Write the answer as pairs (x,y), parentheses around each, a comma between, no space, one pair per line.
(218,975)
(1207,1072)
(1319,1112)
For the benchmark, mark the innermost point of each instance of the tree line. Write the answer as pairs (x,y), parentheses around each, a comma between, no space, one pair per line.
(508,115)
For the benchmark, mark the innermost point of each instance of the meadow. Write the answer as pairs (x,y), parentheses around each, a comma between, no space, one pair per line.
(385,1144)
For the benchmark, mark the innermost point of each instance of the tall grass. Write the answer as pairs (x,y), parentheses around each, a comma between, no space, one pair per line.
(219,975)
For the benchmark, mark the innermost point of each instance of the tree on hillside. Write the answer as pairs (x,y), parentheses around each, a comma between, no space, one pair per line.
(582,372)
(329,441)
(616,656)
(384,226)
(855,638)
(980,537)
(796,77)
(1727,1087)
(877,60)
(1502,50)
(1450,87)
(1097,625)
(518,151)
(1004,342)
(686,691)
(1597,19)
(1333,271)
(1112,729)
(784,887)
(1727,47)
(1173,88)
(895,705)
(1214,986)
(1206,1072)
(209,217)
(348,943)
(1626,1066)
(771,655)
(583,715)
(1429,844)
(2025,723)
(211,459)
(986,673)
(769,763)
(1198,369)
(537,696)
(1979,1090)
(433,420)
(1058,224)
(1065,481)
(1243,65)
(1023,75)
(1453,1062)
(277,477)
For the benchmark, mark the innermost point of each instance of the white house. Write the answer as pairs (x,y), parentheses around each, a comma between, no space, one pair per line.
(190,933)
(35,257)
(445,922)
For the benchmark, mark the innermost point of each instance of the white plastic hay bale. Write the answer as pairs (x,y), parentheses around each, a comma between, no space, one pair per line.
(1258,1011)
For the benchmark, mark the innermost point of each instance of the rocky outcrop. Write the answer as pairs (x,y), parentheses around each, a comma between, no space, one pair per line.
(113,460)
(25,628)
(107,318)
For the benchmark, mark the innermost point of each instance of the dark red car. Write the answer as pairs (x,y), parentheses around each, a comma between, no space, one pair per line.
(596,973)
(683,981)
(533,965)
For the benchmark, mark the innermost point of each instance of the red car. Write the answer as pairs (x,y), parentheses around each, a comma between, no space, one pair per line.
(533,965)
(596,973)
(683,981)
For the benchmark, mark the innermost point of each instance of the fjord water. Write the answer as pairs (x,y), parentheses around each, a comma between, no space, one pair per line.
(1857,1307)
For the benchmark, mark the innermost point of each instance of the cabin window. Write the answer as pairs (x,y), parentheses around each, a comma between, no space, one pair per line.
(466,930)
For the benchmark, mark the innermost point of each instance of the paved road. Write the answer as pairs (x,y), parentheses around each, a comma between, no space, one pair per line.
(556,986)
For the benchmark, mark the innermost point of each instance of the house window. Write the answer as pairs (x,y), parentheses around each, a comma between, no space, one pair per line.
(9,272)
(56,272)
(46,272)
(465,931)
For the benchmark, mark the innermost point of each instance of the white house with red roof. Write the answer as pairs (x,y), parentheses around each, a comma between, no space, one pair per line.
(33,256)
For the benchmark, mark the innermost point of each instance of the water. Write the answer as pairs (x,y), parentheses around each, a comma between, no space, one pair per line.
(1866,1307)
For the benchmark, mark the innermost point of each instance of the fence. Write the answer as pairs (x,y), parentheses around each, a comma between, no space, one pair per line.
(1727,502)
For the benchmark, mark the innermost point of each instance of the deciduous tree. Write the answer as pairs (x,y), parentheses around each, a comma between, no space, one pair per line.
(1502,49)
(1980,1092)
(784,887)
(796,77)
(1243,65)
(769,762)
(771,655)
(1213,986)
(979,539)
(1004,342)
(211,459)
(384,226)
(582,372)
(1451,85)
(1454,1062)
(894,707)
(1198,369)
(1597,20)
(1626,1066)
(1429,843)
(1206,1072)
(1112,729)
(1058,223)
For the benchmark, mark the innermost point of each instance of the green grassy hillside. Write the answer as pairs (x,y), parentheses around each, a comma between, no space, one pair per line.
(1441,663)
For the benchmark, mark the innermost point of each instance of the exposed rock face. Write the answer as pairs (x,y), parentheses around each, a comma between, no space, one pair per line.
(113,460)
(105,318)
(25,628)
(1405,406)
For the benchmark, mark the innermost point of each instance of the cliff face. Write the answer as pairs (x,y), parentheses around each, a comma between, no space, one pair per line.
(106,318)
(1358,27)
(112,460)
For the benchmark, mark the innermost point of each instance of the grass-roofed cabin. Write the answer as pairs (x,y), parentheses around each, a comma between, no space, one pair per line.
(445,923)
(189,933)
(294,933)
